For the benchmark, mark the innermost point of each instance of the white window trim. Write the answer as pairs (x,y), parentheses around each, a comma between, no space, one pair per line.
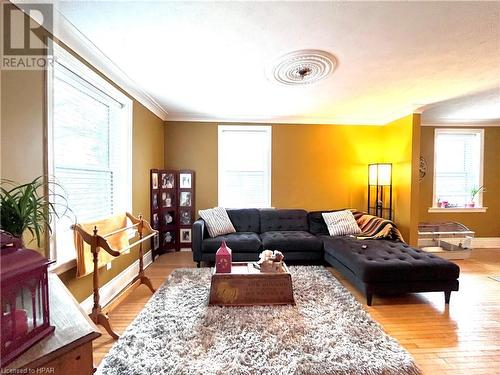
(268,130)
(480,208)
(79,68)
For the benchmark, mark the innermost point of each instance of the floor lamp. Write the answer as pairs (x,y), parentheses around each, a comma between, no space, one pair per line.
(380,190)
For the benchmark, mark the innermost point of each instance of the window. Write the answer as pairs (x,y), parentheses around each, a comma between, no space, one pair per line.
(244,166)
(89,147)
(458,167)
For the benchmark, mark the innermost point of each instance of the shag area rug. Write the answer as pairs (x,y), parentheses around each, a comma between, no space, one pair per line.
(327,332)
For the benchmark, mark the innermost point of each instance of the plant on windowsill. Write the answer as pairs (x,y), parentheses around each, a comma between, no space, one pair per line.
(26,207)
(473,192)
(442,204)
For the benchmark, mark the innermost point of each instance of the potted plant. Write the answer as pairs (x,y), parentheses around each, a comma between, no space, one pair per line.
(26,207)
(441,203)
(473,192)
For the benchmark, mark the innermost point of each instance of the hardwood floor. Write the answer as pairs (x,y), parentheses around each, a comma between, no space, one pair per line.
(462,338)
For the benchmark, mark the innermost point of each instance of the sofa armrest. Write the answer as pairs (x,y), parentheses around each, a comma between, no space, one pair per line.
(198,234)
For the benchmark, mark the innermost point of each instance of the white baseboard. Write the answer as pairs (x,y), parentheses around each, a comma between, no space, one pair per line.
(485,242)
(109,290)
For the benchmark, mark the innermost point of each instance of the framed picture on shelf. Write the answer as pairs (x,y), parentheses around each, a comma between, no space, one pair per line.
(185,200)
(185,180)
(185,217)
(155,221)
(156,242)
(168,218)
(166,199)
(167,181)
(185,235)
(155,201)
(168,238)
(154,180)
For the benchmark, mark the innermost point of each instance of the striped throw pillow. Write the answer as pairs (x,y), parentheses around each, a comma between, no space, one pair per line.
(341,223)
(217,221)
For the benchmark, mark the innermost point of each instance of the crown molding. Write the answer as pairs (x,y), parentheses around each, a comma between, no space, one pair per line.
(277,119)
(67,33)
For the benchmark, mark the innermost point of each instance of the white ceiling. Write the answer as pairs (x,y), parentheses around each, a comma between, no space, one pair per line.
(481,107)
(207,61)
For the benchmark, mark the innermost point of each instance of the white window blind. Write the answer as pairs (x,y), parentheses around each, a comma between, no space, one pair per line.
(458,166)
(90,145)
(244,166)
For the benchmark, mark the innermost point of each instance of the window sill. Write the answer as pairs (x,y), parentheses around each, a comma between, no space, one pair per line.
(456,209)
(63,267)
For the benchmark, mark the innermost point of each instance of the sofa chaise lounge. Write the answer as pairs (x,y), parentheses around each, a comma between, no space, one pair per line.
(383,266)
(372,266)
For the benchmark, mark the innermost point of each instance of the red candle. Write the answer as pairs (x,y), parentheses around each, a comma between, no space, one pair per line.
(20,318)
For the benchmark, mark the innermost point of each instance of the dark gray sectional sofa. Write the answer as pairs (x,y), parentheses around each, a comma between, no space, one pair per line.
(373,266)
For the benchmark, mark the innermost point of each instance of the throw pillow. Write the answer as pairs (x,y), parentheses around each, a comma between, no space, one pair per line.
(217,221)
(341,223)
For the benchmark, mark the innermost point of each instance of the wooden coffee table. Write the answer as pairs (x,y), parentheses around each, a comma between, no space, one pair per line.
(246,286)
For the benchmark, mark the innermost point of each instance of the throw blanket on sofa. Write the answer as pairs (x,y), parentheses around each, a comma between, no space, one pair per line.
(374,227)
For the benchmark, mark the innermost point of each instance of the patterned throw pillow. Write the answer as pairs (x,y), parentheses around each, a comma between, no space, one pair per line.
(341,223)
(217,221)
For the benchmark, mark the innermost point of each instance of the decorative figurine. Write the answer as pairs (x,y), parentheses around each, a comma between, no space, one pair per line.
(270,261)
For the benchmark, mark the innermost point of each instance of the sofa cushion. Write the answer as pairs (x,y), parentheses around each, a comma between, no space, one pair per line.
(375,261)
(316,222)
(245,219)
(217,221)
(341,223)
(283,220)
(238,242)
(288,241)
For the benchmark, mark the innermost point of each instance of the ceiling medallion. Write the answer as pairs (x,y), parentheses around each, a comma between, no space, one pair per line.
(303,67)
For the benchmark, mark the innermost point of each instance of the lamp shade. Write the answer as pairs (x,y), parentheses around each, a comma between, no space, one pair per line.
(380,174)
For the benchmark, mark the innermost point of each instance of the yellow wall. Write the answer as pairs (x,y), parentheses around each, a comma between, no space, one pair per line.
(402,149)
(313,166)
(194,146)
(22,153)
(484,224)
(319,167)
(22,119)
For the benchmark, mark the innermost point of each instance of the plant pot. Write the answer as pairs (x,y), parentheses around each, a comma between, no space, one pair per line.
(470,205)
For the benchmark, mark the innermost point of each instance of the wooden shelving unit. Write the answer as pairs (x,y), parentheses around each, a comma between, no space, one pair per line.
(172,208)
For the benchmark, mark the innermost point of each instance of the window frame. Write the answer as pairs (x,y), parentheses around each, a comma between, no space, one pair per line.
(93,81)
(220,163)
(479,207)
